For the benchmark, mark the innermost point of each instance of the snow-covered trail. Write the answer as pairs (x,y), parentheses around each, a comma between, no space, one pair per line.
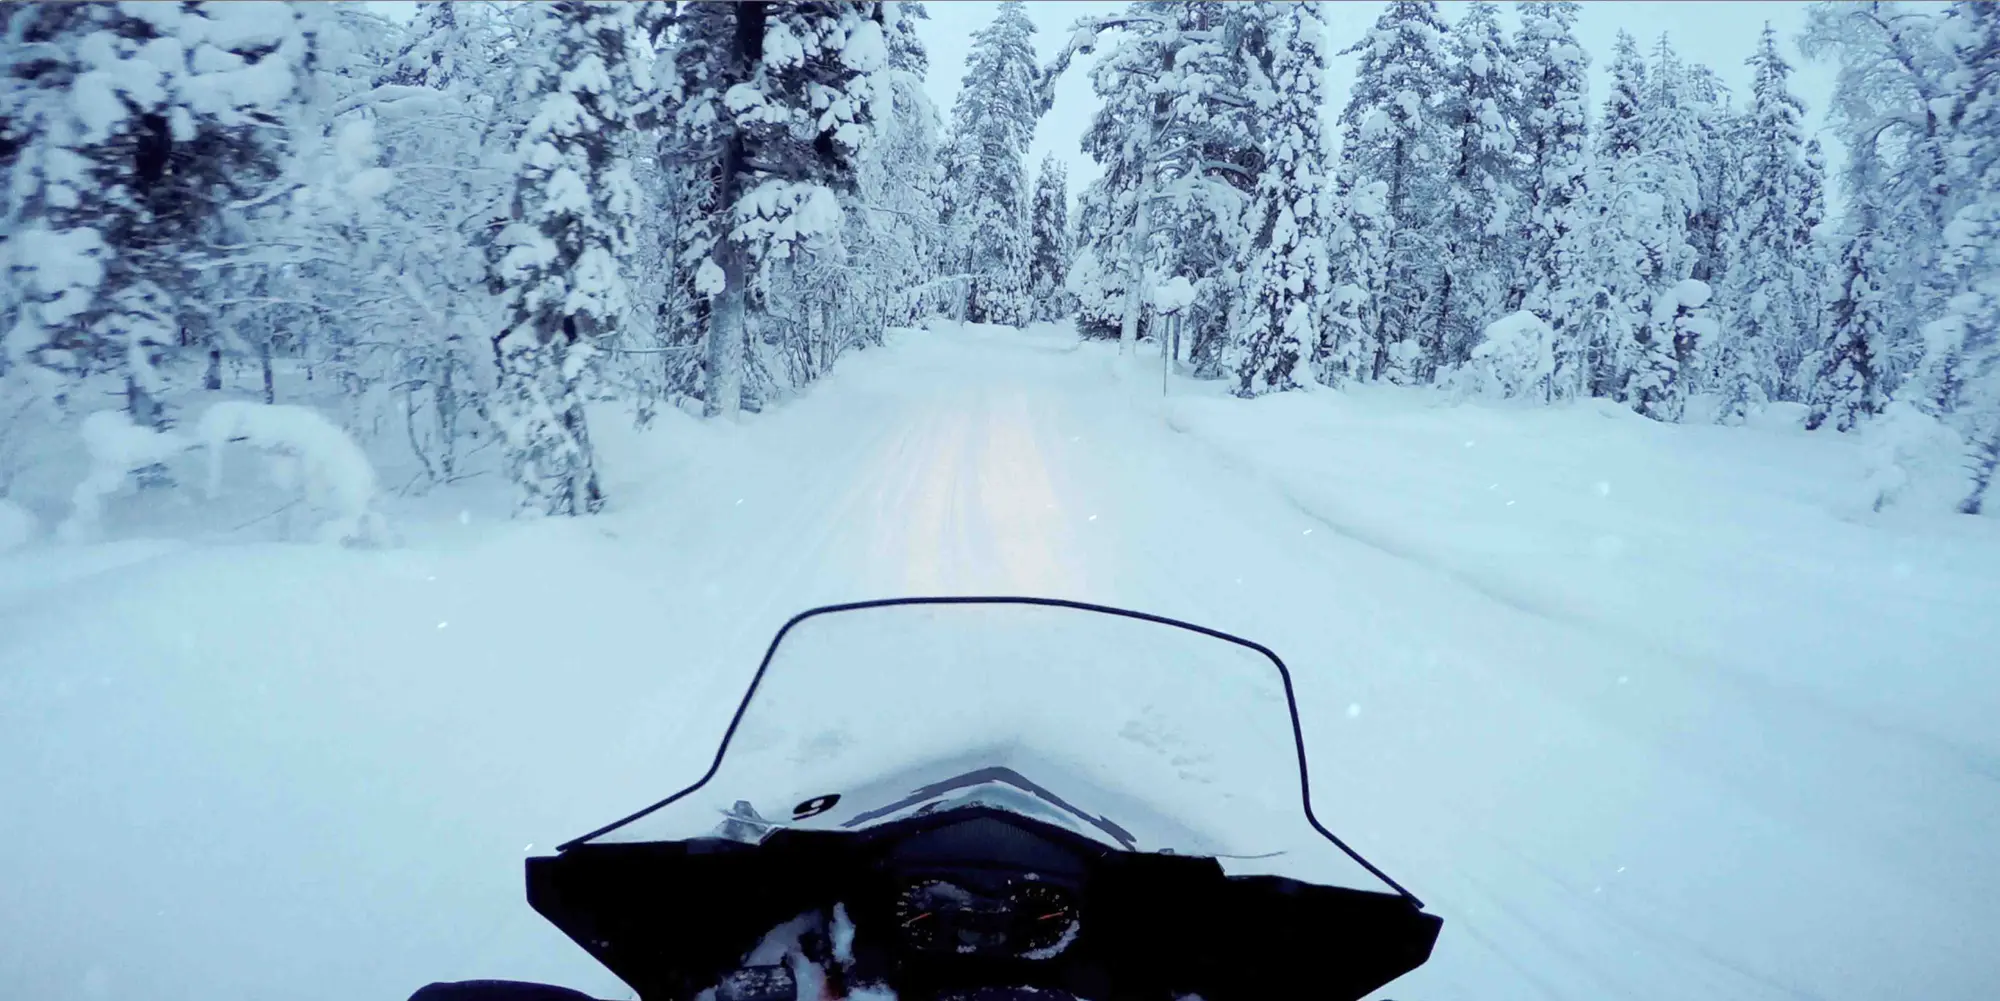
(305,773)
(1596,820)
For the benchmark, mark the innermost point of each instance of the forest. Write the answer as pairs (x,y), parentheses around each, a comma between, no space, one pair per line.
(463,226)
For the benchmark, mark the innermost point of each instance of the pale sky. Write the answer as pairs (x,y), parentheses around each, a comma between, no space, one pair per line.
(1720,34)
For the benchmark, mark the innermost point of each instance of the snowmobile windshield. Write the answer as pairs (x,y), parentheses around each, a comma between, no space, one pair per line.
(1143,733)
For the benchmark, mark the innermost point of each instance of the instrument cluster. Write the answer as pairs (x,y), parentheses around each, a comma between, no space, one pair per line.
(1019,918)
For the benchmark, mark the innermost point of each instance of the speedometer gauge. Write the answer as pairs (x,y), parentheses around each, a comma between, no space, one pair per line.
(925,913)
(1045,920)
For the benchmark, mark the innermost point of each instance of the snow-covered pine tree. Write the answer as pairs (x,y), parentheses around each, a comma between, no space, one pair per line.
(561,260)
(1048,230)
(1281,318)
(775,105)
(1391,132)
(1482,110)
(1771,253)
(1849,384)
(129,130)
(1555,93)
(993,123)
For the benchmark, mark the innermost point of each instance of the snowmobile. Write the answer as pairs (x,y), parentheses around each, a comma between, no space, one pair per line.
(987,799)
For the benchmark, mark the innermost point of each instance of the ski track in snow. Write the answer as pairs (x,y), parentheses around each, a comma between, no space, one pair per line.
(311,773)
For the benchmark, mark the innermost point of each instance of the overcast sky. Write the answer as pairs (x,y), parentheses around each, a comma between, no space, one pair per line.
(1720,34)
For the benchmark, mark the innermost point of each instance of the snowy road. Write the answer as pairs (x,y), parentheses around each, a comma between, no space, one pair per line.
(304,773)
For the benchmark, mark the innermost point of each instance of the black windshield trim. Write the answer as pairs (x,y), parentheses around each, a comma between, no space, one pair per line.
(1284,673)
(1005,776)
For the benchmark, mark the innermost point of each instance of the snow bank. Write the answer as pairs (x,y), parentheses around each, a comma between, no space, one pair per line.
(116,447)
(337,475)
(1915,462)
(1749,550)
(310,454)
(1515,355)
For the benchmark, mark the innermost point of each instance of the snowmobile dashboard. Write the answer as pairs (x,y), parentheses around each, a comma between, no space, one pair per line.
(952,903)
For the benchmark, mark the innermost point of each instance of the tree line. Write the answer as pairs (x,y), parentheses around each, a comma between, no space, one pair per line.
(478,219)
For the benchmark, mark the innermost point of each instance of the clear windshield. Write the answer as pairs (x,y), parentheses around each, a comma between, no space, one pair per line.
(1144,735)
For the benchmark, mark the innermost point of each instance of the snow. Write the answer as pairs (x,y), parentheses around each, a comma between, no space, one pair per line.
(116,447)
(866,50)
(94,99)
(1173,295)
(17,526)
(1651,711)
(337,474)
(785,212)
(709,279)
(1514,356)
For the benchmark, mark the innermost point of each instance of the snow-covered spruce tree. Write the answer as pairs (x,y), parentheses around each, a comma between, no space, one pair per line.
(692,141)
(1391,132)
(1771,254)
(776,104)
(1114,225)
(1048,230)
(1717,167)
(1680,301)
(993,123)
(1357,254)
(130,129)
(1096,277)
(1849,384)
(1280,320)
(1619,131)
(1555,92)
(1482,111)
(1650,194)
(561,259)
(1606,302)
(1205,162)
(1174,139)
(1799,361)
(1680,324)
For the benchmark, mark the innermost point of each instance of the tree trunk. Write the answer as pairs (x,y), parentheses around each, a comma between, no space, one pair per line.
(725,337)
(213,380)
(146,411)
(727,323)
(1142,222)
(580,480)
(264,361)
(446,401)
(1135,290)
